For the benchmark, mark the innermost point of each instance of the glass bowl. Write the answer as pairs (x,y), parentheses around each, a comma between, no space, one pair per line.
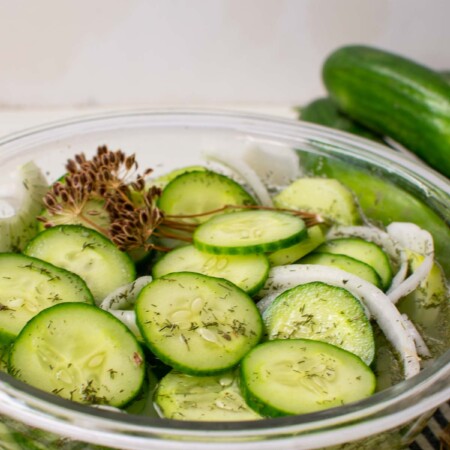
(390,186)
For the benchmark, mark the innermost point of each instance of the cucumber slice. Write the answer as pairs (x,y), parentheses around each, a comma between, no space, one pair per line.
(93,210)
(18,212)
(197,324)
(198,192)
(343,262)
(7,441)
(28,285)
(79,352)
(298,376)
(163,180)
(316,236)
(325,196)
(365,251)
(249,232)
(88,254)
(433,291)
(249,272)
(324,313)
(4,357)
(214,398)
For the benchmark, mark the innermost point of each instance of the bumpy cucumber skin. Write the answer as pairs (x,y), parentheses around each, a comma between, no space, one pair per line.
(324,111)
(395,97)
(446,75)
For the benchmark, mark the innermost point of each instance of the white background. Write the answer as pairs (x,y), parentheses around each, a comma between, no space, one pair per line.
(101,53)
(61,58)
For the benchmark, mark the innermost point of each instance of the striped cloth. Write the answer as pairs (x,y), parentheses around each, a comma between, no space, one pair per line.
(436,435)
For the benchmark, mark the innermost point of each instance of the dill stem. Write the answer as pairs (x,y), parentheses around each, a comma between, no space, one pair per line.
(310,218)
(96,227)
(179,225)
(163,233)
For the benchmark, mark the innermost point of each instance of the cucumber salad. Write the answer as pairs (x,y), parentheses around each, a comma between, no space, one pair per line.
(239,289)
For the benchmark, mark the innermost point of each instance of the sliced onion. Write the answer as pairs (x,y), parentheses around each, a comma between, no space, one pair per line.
(421,346)
(382,309)
(413,238)
(275,168)
(125,296)
(20,203)
(245,171)
(381,238)
(122,298)
(128,318)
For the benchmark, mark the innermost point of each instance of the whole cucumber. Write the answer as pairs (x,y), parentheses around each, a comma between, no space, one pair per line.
(395,97)
(324,111)
(446,75)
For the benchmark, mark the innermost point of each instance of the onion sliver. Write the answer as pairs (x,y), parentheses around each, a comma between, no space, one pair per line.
(276,168)
(422,348)
(246,172)
(382,309)
(128,318)
(381,238)
(125,297)
(414,238)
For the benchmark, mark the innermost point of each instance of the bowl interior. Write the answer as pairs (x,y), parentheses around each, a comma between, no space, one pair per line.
(389,186)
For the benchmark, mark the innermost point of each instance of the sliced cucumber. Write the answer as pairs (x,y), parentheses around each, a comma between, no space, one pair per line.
(4,357)
(433,291)
(81,353)
(214,398)
(298,376)
(88,254)
(365,251)
(197,324)
(29,285)
(324,313)
(163,180)
(249,272)
(347,263)
(19,210)
(316,236)
(249,232)
(92,214)
(199,192)
(7,441)
(324,196)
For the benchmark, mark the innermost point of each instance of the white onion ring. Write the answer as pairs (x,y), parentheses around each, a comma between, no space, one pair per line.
(275,168)
(382,309)
(125,297)
(414,238)
(422,348)
(245,171)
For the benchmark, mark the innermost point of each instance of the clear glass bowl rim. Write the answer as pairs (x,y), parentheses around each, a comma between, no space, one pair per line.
(30,402)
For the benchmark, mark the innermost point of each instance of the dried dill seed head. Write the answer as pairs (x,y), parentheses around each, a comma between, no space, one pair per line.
(121,199)
(132,228)
(110,178)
